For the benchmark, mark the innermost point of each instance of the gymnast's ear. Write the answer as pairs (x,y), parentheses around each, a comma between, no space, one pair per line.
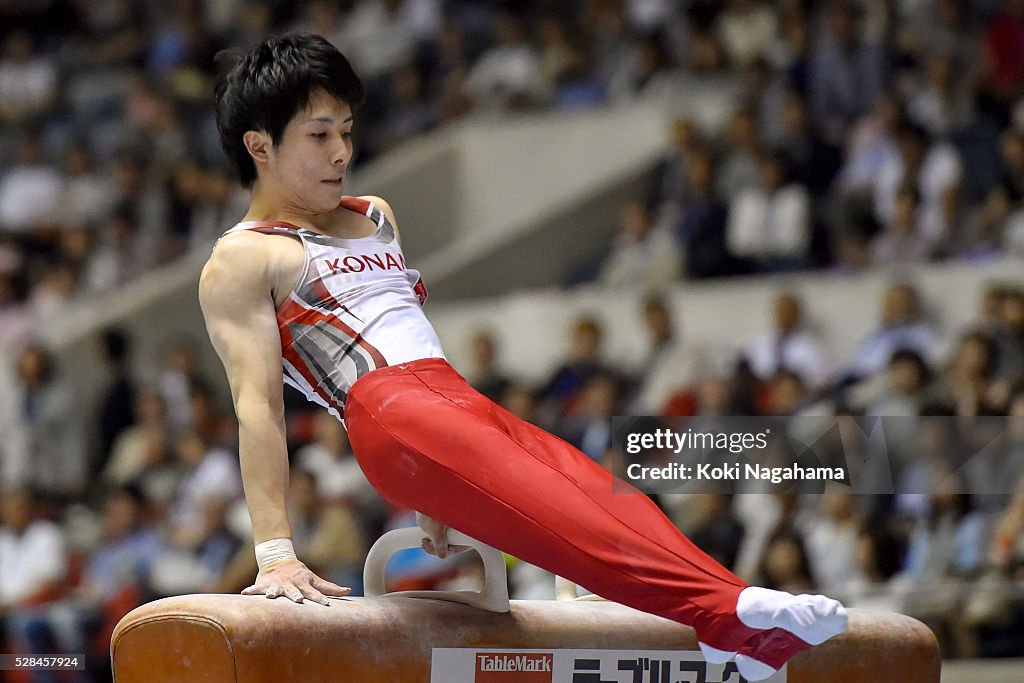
(258,145)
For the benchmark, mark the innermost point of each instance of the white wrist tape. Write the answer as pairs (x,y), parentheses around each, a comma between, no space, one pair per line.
(273,550)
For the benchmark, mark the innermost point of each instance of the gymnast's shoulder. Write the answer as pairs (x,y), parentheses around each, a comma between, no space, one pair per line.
(383,205)
(238,262)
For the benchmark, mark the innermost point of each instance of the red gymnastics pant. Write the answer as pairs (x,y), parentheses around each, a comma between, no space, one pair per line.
(428,441)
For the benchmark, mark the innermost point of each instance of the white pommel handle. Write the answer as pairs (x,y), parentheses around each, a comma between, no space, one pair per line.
(493,597)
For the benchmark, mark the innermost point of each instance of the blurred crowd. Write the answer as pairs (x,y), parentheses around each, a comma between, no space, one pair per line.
(854,124)
(866,133)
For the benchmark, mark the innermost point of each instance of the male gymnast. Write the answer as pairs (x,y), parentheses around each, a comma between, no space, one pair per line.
(311,288)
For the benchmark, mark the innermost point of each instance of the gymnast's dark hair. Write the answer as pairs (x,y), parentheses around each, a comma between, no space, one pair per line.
(262,89)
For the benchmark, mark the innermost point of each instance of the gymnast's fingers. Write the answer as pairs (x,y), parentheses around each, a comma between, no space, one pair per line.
(325,587)
(436,532)
(439,539)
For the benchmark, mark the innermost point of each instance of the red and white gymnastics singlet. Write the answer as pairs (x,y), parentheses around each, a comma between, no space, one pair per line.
(355,308)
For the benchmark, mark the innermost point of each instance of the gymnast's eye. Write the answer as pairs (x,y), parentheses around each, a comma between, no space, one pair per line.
(319,136)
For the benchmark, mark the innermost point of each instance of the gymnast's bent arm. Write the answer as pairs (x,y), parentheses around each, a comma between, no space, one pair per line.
(235,295)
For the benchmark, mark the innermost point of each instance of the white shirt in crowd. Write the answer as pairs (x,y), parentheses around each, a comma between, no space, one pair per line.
(28,197)
(800,352)
(26,87)
(336,476)
(763,225)
(30,561)
(940,170)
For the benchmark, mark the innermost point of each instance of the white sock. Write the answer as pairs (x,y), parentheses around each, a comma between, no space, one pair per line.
(713,655)
(811,618)
(753,670)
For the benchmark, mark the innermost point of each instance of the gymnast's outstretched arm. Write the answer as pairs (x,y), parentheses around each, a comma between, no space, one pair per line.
(236,298)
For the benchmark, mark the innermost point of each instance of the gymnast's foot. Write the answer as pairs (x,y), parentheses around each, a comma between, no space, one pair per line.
(811,618)
(786,623)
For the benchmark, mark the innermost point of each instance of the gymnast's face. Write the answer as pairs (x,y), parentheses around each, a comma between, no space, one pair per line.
(305,170)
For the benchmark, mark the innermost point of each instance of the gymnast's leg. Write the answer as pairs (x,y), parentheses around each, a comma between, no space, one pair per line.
(444,450)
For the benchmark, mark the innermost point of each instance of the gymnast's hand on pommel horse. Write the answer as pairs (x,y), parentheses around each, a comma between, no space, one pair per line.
(312,289)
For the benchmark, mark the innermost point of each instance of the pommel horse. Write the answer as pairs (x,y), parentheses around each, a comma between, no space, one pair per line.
(471,637)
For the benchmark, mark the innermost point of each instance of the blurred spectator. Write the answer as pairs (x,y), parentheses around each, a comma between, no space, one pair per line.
(765,96)
(521,401)
(28,80)
(907,376)
(770,223)
(330,460)
(200,546)
(507,75)
(141,445)
(1004,47)
(815,162)
(700,220)
(747,30)
(485,376)
(902,239)
(555,52)
(1007,328)
(847,71)
(411,113)
(787,394)
(832,542)
(583,363)
(672,178)
(942,104)
(143,194)
(934,170)
(791,346)
(717,531)
(33,558)
(55,290)
(114,580)
(646,16)
(669,362)
(1006,551)
(651,74)
(870,147)
(373,57)
(950,541)
(739,168)
(45,447)
(15,322)
(589,426)
(29,190)
(1004,205)
(785,564)
(578,86)
(88,196)
(177,375)
(643,255)
(117,403)
(901,327)
(211,477)
(990,308)
(324,18)
(965,385)
(119,257)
